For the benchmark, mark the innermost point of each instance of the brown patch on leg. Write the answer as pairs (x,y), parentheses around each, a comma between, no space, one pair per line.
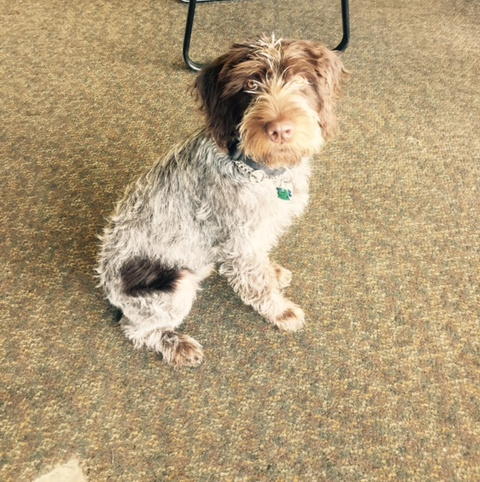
(286,315)
(284,276)
(143,276)
(292,319)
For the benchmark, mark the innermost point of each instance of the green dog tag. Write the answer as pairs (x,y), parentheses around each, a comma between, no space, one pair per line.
(284,194)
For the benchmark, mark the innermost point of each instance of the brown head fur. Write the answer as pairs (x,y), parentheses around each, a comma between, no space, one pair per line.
(272,82)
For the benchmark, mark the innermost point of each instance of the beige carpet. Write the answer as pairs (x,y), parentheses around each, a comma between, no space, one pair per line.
(384,382)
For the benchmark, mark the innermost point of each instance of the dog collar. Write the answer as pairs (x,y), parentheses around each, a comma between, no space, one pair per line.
(237,155)
(258,173)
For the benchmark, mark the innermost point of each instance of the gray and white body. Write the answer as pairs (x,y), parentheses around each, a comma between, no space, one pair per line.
(222,198)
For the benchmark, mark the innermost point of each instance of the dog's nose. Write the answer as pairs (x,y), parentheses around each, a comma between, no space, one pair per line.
(280,131)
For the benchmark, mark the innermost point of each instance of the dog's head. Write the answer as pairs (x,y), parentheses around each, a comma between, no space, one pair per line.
(277,97)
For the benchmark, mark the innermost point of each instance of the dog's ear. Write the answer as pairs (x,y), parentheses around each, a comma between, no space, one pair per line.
(222,116)
(330,75)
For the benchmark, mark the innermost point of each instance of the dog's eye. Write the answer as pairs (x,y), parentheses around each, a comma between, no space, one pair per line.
(251,85)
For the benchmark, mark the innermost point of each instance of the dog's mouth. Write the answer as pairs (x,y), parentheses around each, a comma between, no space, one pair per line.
(275,156)
(284,155)
(281,149)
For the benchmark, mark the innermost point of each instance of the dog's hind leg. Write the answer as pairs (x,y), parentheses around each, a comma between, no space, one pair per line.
(154,301)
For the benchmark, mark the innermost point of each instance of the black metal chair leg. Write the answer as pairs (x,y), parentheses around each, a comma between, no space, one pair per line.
(189,28)
(345,26)
(188,37)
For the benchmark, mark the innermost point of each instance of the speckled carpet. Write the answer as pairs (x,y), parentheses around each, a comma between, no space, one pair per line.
(384,382)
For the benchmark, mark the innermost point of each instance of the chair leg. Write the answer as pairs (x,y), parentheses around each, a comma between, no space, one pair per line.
(189,28)
(188,37)
(345,26)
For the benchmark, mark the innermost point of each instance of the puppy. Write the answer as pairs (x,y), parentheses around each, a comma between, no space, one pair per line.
(224,196)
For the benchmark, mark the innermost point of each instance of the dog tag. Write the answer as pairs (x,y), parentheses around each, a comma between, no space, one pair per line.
(284,194)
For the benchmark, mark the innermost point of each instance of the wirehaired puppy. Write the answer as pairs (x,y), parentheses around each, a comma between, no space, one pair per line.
(223,197)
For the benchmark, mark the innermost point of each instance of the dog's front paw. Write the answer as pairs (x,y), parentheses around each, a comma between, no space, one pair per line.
(181,350)
(291,319)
